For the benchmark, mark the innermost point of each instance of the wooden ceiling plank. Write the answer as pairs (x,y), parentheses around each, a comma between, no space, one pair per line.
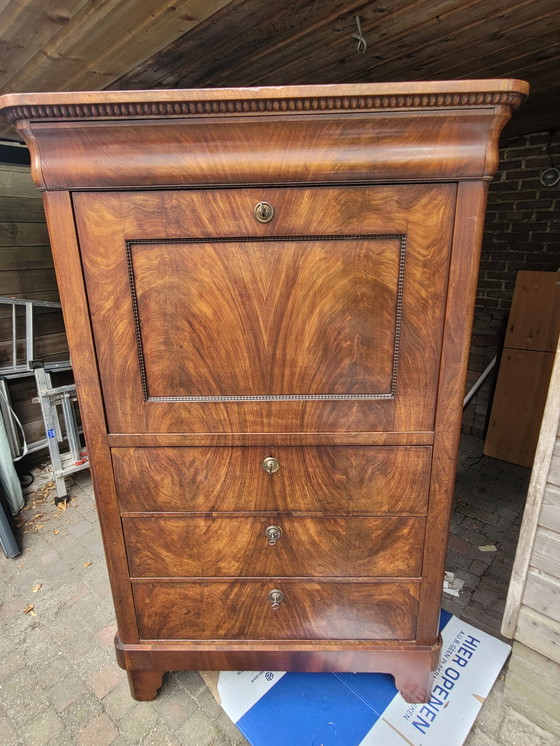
(317,46)
(27,27)
(415,28)
(452,51)
(166,22)
(426,48)
(105,39)
(153,70)
(250,27)
(521,59)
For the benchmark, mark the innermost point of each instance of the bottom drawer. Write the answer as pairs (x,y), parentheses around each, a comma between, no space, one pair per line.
(242,610)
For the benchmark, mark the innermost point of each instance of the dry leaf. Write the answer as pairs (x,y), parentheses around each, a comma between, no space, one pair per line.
(40,526)
(87,564)
(56,531)
(62,506)
(36,587)
(29,610)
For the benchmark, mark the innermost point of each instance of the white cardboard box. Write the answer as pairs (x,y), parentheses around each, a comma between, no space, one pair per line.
(274,708)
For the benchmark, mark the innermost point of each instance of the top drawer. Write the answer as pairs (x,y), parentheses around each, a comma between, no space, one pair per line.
(322,479)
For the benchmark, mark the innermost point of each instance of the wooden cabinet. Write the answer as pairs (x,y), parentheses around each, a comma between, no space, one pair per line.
(268,295)
(525,368)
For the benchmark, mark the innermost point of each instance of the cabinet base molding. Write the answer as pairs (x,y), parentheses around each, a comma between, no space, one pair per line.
(411,666)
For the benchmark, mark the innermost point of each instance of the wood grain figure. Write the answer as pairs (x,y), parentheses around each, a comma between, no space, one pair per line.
(268,295)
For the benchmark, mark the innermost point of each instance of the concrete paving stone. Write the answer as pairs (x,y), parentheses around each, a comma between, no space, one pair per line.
(11,663)
(90,540)
(516,730)
(479,566)
(472,524)
(105,680)
(76,590)
(23,698)
(471,581)
(207,702)
(45,728)
(230,730)
(174,705)
(66,691)
(456,561)
(161,735)
(49,670)
(101,731)
(13,606)
(106,635)
(476,538)
(121,741)
(490,519)
(94,610)
(138,722)
(199,730)
(118,702)
(73,555)
(10,736)
(491,714)
(478,737)
(80,713)
(55,570)
(49,556)
(81,528)
(458,544)
(192,681)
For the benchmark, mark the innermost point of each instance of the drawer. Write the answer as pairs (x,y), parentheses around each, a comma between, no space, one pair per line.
(242,610)
(236,546)
(329,479)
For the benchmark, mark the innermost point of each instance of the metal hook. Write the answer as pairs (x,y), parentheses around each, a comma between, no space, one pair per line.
(362,43)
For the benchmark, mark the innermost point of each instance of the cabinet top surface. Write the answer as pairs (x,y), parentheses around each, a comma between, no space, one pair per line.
(273,99)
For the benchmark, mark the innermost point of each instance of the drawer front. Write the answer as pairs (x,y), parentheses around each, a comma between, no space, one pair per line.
(235,546)
(329,479)
(218,610)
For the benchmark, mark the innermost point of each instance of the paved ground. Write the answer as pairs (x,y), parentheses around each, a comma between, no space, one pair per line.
(60,685)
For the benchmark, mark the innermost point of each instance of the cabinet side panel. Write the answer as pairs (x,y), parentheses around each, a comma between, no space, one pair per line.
(467,236)
(68,268)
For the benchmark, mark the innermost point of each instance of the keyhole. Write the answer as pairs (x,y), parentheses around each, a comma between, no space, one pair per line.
(264,212)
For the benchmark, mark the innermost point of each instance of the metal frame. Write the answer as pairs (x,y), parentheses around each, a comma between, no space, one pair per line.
(17,365)
(58,403)
(58,406)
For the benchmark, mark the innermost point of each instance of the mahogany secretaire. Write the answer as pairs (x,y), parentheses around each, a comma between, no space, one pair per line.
(268,295)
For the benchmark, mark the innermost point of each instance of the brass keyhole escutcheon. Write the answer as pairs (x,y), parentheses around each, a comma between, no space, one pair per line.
(275,597)
(264,212)
(270,465)
(273,533)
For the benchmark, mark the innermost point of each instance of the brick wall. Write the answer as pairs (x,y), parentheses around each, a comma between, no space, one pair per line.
(522,231)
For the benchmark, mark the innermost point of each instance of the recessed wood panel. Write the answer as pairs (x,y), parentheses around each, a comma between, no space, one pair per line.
(326,479)
(287,316)
(238,546)
(241,610)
